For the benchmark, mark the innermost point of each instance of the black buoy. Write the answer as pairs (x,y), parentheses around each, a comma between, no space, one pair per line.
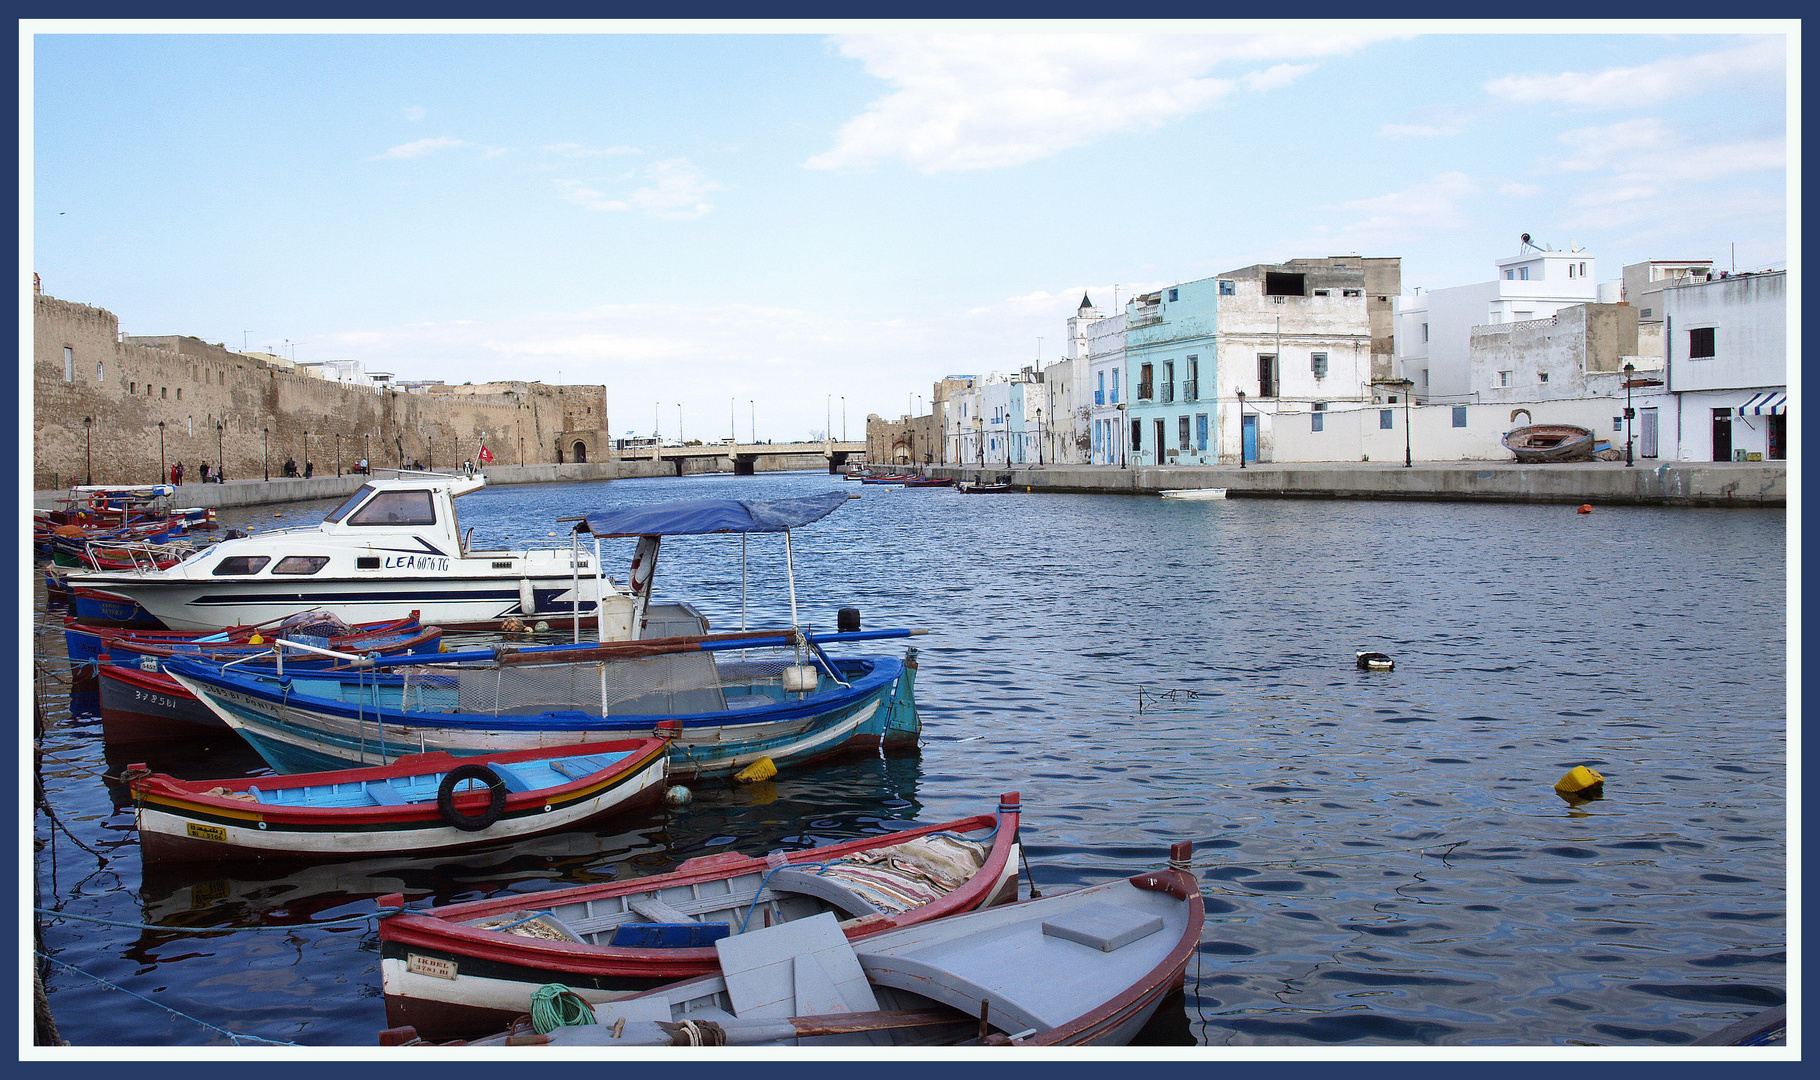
(847,620)
(1375,661)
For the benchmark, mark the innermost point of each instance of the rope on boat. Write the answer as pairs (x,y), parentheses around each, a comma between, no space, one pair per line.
(235,1036)
(347,921)
(554,1005)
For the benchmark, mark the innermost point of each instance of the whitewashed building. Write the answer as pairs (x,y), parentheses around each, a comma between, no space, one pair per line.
(1104,393)
(1725,364)
(1434,328)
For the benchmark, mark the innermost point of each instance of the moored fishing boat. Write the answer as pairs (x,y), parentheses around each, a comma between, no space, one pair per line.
(140,702)
(470,968)
(1081,968)
(723,710)
(421,803)
(928,481)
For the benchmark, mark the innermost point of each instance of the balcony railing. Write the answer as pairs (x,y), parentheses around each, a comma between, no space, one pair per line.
(1144,391)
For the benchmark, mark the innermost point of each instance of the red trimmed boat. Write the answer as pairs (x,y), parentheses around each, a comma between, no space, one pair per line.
(468,969)
(139,702)
(1088,967)
(420,803)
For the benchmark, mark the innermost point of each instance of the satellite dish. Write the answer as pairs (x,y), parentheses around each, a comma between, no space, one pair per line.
(1526,238)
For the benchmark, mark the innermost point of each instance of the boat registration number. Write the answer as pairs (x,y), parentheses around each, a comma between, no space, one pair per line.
(430,965)
(205,832)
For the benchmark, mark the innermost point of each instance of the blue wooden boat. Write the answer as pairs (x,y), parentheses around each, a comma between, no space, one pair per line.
(724,703)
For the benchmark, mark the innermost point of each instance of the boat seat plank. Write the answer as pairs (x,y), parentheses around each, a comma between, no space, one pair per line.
(653,909)
(822,887)
(800,967)
(517,778)
(384,794)
(1105,927)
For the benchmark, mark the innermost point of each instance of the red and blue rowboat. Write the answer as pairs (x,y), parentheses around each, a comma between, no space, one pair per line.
(421,803)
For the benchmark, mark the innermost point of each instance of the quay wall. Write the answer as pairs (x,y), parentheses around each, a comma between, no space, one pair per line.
(1597,482)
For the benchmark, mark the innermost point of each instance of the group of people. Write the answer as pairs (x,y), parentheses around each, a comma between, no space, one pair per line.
(309,467)
(207,477)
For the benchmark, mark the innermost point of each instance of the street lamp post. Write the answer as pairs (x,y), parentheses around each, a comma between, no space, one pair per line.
(754,406)
(679,437)
(366,450)
(306,451)
(338,453)
(1409,461)
(268,452)
(429,448)
(161,470)
(979,428)
(1241,429)
(1629,370)
(219,459)
(1039,436)
(88,450)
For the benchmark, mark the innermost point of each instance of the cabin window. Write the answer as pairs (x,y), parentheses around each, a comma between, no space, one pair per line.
(236,565)
(352,501)
(396,508)
(300,564)
(366,562)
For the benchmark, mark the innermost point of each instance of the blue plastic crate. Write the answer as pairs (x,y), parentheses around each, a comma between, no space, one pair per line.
(670,935)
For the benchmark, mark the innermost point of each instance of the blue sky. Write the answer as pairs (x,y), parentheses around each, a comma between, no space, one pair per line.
(756,223)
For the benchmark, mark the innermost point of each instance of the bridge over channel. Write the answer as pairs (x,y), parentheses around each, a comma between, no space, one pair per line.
(741,459)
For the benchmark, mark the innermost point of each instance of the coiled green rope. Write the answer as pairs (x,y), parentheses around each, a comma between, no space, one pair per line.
(555,1005)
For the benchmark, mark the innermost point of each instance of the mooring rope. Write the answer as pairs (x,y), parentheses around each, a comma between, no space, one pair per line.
(554,1005)
(291,928)
(235,1036)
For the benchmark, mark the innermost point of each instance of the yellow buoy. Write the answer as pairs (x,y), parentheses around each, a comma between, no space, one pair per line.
(1580,783)
(762,769)
(255,640)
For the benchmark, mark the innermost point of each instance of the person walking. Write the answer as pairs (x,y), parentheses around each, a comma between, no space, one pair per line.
(309,469)
(205,472)
(177,474)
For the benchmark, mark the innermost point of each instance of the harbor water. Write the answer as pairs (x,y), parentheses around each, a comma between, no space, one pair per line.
(1384,858)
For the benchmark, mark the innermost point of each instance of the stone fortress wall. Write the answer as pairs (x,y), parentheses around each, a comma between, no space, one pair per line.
(216,404)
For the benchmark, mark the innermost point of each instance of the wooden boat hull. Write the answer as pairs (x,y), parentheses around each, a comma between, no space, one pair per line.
(145,706)
(389,810)
(1542,443)
(1082,968)
(296,730)
(448,978)
(84,643)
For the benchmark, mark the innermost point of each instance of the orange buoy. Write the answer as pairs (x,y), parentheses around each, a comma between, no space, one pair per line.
(1585,508)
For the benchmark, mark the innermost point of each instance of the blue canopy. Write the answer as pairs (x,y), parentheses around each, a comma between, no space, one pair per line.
(694,517)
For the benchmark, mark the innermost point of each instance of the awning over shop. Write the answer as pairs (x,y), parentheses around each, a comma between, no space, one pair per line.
(1774,402)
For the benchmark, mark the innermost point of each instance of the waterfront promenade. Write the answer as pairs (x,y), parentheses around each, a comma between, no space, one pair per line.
(1679,483)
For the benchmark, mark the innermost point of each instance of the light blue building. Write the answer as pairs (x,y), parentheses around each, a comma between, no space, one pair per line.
(1171,374)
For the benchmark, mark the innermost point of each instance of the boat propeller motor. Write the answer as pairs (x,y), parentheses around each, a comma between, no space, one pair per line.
(847,620)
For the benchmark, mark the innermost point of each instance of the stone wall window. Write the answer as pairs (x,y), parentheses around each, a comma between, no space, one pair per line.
(69,364)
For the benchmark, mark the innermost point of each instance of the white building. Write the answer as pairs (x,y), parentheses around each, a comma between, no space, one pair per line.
(1726,369)
(1434,328)
(1063,430)
(1104,394)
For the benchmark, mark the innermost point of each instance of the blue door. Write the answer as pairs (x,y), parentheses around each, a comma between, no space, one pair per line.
(1251,438)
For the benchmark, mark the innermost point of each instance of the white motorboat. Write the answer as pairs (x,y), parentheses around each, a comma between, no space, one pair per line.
(394,547)
(1193,493)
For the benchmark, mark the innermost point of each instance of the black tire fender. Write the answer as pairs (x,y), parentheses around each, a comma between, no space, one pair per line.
(445,797)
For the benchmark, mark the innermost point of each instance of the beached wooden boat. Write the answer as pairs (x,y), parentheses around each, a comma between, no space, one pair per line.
(420,803)
(928,481)
(468,969)
(1080,968)
(1550,442)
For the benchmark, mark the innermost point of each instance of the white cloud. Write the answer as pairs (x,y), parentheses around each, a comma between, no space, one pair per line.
(1519,191)
(414,113)
(675,190)
(1646,147)
(1759,59)
(979,101)
(578,150)
(422,147)
(1399,217)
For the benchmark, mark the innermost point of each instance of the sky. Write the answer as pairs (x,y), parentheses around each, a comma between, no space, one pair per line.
(773,234)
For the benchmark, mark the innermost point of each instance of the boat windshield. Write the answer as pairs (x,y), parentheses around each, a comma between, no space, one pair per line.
(353,501)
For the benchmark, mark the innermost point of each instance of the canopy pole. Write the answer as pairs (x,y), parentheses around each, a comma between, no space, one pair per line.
(575,589)
(600,595)
(790,571)
(742,581)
